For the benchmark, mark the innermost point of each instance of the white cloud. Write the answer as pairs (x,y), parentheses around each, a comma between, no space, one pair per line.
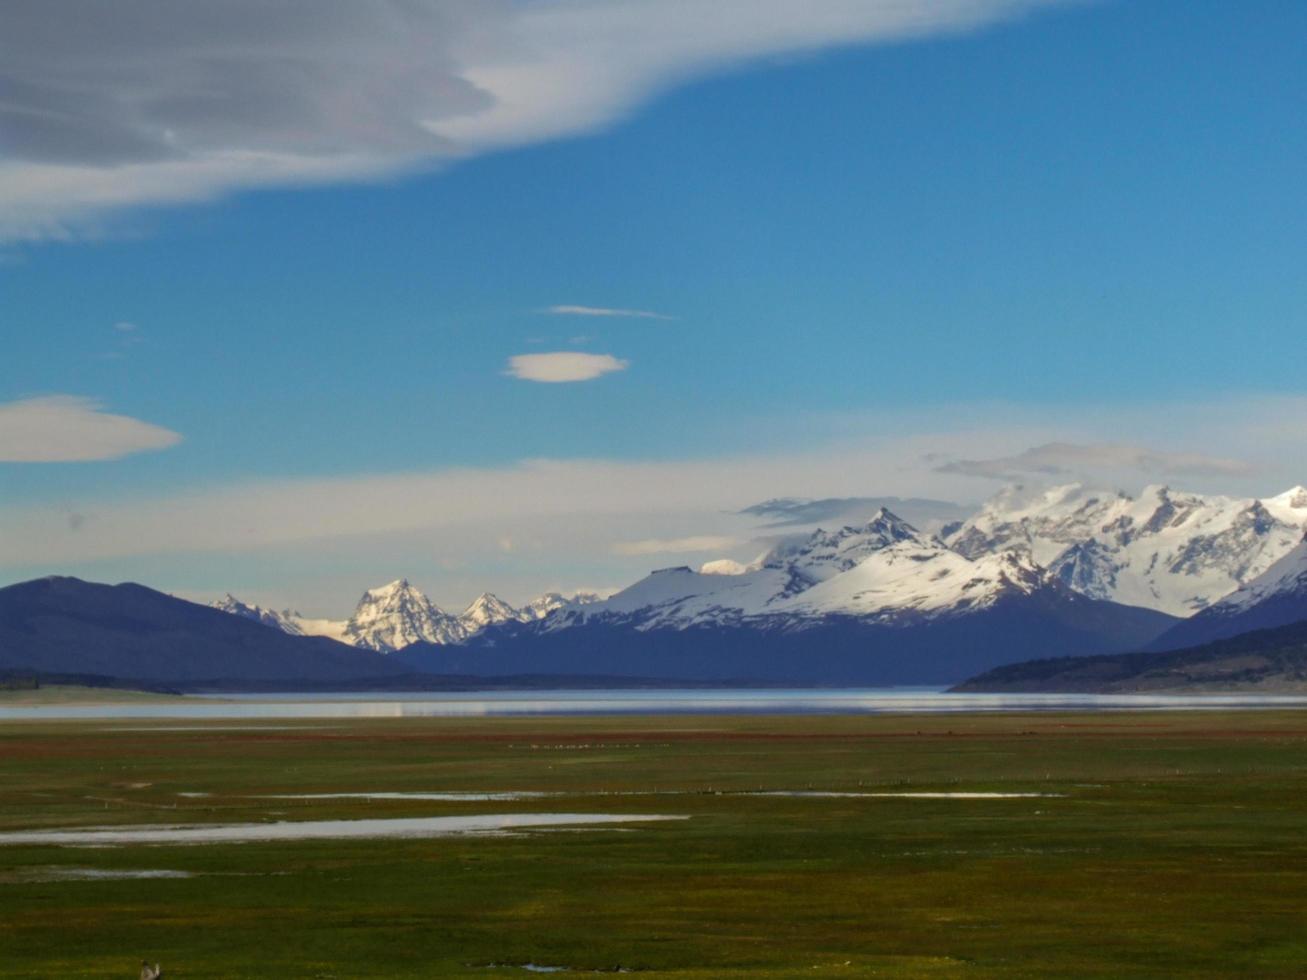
(1060,459)
(66,428)
(605,311)
(667,546)
(146,102)
(562,366)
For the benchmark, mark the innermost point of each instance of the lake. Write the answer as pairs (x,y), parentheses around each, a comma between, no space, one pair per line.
(477,704)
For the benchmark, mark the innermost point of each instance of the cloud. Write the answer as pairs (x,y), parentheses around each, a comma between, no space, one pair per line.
(125,336)
(923,514)
(1064,459)
(562,366)
(665,546)
(147,102)
(604,311)
(66,428)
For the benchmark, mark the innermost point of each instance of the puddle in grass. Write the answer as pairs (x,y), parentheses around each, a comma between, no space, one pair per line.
(320,829)
(43,875)
(535,795)
(443,797)
(543,968)
(822,794)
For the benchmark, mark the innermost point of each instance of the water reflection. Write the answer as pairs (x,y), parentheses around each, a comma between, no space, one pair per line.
(472,704)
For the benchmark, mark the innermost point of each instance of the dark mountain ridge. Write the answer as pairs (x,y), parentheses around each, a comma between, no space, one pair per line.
(1268,661)
(62,625)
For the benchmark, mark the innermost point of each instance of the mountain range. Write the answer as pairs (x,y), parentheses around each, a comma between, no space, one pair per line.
(1066,571)
(880,603)
(391,617)
(1167,550)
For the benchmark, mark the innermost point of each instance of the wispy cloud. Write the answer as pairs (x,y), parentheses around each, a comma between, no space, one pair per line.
(604,311)
(670,546)
(563,366)
(1067,459)
(125,336)
(67,429)
(160,102)
(923,514)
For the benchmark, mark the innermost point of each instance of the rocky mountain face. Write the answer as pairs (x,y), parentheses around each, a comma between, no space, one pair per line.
(390,617)
(395,615)
(1168,550)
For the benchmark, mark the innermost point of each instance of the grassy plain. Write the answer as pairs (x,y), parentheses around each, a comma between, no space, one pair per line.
(1177,848)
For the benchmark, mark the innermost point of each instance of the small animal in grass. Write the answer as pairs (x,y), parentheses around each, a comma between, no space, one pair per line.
(151,972)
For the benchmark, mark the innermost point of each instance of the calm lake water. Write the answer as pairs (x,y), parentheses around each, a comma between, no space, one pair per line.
(476,704)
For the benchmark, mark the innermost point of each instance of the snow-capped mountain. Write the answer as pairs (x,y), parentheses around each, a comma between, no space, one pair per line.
(395,615)
(1277,597)
(551,602)
(883,570)
(879,603)
(392,616)
(1168,550)
(487,610)
(284,621)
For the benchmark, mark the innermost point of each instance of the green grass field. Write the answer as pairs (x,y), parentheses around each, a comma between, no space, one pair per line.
(1179,848)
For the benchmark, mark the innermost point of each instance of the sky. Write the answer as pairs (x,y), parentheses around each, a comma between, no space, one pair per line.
(300,298)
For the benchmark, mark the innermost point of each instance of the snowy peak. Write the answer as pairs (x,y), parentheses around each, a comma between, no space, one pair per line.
(826,553)
(487,610)
(552,602)
(883,571)
(283,621)
(392,616)
(915,580)
(1290,506)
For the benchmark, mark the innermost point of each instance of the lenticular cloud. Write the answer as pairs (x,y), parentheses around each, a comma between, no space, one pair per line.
(68,429)
(109,106)
(563,366)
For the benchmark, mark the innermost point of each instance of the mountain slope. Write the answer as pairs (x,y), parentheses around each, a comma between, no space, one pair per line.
(65,625)
(1269,661)
(287,622)
(1277,597)
(838,650)
(1169,550)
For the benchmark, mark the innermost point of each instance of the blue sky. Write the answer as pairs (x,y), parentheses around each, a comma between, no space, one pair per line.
(1074,222)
